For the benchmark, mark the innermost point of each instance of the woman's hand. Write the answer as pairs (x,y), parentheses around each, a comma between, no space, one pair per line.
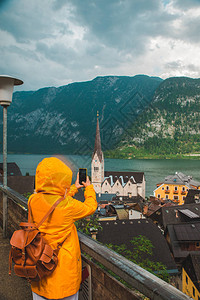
(87,182)
(84,184)
(77,184)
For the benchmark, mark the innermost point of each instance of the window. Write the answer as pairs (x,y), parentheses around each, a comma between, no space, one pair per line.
(176,188)
(158,195)
(163,188)
(176,198)
(96,169)
(193,291)
(167,197)
(183,189)
(198,244)
(167,188)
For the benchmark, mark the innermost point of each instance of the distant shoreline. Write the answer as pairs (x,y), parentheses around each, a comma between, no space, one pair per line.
(190,156)
(116,155)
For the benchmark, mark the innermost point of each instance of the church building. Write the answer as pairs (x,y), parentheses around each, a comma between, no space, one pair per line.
(108,182)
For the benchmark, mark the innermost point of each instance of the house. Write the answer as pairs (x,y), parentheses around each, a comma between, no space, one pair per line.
(184,239)
(109,182)
(123,231)
(175,187)
(191,276)
(21,184)
(193,196)
(176,214)
(12,169)
(15,180)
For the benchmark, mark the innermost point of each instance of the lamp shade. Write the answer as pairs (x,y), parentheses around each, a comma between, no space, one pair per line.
(6,88)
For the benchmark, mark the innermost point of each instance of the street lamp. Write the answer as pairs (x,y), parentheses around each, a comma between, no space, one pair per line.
(6,91)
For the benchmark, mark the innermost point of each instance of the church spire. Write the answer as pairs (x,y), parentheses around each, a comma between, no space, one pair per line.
(97,145)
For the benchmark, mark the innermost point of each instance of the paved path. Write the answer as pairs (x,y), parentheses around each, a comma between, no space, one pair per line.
(11,287)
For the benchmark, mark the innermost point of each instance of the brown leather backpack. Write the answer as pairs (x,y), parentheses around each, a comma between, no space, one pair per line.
(32,256)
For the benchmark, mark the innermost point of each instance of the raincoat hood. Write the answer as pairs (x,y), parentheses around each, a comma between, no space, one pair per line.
(52,176)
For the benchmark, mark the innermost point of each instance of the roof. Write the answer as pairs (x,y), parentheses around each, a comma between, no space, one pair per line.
(97,145)
(193,196)
(127,199)
(122,231)
(177,214)
(12,169)
(122,213)
(21,184)
(187,231)
(176,234)
(124,177)
(189,213)
(104,197)
(181,179)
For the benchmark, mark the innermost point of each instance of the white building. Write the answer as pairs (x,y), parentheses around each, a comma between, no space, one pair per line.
(119,183)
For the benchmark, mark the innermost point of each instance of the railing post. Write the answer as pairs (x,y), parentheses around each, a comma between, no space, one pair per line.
(6,92)
(5,199)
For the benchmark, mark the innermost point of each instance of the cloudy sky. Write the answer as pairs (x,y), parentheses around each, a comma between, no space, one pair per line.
(56,42)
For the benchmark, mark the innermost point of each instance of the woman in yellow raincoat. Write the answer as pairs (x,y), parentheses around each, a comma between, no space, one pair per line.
(52,181)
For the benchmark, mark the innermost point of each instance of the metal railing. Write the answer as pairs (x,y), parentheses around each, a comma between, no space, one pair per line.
(138,278)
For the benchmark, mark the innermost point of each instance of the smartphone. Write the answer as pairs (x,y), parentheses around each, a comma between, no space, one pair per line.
(82,175)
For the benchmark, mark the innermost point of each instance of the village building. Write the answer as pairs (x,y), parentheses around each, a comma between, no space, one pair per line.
(183,239)
(21,184)
(120,232)
(118,183)
(175,187)
(193,196)
(175,214)
(191,276)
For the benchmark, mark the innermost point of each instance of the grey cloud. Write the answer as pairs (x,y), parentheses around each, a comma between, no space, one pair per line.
(34,23)
(126,25)
(186,4)
(57,53)
(190,29)
(181,66)
(104,37)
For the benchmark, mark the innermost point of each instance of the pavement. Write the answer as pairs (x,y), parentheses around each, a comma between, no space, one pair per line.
(11,287)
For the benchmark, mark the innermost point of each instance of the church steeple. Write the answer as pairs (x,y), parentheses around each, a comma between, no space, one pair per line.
(97,145)
(97,166)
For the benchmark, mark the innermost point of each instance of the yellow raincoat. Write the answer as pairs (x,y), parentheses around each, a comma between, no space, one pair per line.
(52,180)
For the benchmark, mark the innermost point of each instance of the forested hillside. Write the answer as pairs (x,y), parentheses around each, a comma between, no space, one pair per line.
(169,127)
(63,119)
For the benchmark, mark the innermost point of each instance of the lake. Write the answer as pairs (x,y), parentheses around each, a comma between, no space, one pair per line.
(155,170)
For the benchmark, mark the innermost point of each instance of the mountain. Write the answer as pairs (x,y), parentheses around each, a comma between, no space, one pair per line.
(63,119)
(170,126)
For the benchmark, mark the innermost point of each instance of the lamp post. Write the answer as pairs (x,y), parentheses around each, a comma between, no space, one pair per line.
(6,91)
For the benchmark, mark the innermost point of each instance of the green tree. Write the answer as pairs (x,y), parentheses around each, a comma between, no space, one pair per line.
(89,224)
(140,254)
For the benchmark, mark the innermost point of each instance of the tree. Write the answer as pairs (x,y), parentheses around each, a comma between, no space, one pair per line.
(140,254)
(88,225)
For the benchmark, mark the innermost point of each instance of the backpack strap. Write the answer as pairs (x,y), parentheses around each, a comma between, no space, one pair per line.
(47,214)
(44,218)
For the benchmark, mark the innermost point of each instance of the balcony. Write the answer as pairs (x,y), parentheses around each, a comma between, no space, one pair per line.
(175,192)
(100,285)
(167,191)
